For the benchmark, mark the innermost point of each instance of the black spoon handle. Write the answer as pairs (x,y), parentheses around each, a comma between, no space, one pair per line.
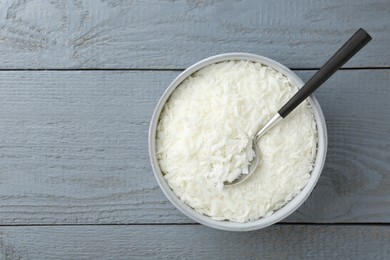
(349,49)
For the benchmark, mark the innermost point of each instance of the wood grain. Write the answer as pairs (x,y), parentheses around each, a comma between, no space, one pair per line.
(194,242)
(37,34)
(73,149)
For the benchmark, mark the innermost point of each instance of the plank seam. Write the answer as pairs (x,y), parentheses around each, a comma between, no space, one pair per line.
(197,224)
(172,69)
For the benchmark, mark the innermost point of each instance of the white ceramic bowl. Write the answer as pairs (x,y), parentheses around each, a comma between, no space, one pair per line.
(278,215)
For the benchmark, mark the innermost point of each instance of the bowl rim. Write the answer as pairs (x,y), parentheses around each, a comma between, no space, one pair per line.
(279,214)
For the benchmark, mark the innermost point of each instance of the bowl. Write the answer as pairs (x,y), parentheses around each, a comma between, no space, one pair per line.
(281,213)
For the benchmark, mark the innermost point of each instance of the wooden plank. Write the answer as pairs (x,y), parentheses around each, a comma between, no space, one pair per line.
(175,34)
(194,242)
(73,148)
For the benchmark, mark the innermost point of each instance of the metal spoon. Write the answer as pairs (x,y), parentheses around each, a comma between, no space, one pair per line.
(347,51)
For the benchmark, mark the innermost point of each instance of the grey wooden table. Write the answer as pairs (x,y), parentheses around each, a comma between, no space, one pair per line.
(78,84)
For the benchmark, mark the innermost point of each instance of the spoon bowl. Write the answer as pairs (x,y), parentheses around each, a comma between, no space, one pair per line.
(255,144)
(252,166)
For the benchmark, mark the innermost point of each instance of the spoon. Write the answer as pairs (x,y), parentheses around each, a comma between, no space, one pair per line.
(347,51)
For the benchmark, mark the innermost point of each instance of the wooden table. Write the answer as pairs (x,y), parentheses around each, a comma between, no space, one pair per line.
(78,84)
